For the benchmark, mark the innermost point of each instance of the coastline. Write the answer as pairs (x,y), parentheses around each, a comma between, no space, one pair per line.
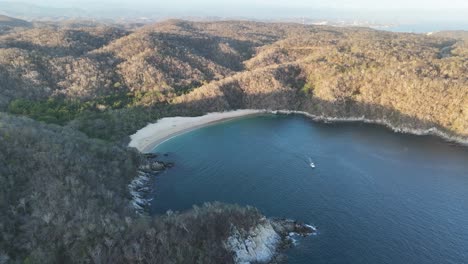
(266,241)
(164,129)
(397,129)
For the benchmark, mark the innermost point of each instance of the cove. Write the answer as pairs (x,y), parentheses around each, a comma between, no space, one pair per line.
(375,196)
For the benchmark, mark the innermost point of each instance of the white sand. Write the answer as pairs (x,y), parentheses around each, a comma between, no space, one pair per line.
(152,135)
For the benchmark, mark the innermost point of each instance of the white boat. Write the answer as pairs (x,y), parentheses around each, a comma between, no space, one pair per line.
(312,165)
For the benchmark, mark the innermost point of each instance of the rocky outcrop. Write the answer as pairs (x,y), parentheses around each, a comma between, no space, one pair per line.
(259,245)
(285,227)
(151,164)
(154,166)
(263,243)
(139,187)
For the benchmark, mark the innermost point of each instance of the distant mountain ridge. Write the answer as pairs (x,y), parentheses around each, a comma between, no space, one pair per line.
(18,9)
(13,22)
(48,13)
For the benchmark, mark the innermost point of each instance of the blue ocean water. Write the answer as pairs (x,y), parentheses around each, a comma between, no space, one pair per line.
(375,196)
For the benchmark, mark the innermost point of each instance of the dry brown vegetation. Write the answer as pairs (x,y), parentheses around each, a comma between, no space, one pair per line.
(354,73)
(246,64)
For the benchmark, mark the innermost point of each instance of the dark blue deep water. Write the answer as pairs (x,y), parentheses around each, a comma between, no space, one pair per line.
(375,196)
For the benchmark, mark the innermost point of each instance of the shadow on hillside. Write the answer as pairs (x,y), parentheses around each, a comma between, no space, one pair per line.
(208,47)
(297,101)
(75,43)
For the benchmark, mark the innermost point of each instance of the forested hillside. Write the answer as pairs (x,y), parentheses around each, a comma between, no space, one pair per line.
(9,23)
(65,199)
(64,173)
(409,80)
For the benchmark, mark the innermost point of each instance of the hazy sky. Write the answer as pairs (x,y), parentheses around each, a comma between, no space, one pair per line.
(368,4)
(394,11)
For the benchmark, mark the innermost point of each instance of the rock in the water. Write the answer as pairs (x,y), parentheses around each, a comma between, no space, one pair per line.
(169,164)
(157,166)
(286,226)
(150,155)
(152,166)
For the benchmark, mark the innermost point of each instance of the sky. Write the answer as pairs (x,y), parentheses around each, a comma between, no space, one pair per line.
(367,4)
(372,10)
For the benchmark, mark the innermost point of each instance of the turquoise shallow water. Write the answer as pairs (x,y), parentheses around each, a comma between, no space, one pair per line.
(375,196)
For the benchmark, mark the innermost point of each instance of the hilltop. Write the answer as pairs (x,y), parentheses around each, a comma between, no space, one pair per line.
(9,23)
(13,22)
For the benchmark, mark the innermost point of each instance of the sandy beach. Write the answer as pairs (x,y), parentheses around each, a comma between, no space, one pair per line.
(164,129)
